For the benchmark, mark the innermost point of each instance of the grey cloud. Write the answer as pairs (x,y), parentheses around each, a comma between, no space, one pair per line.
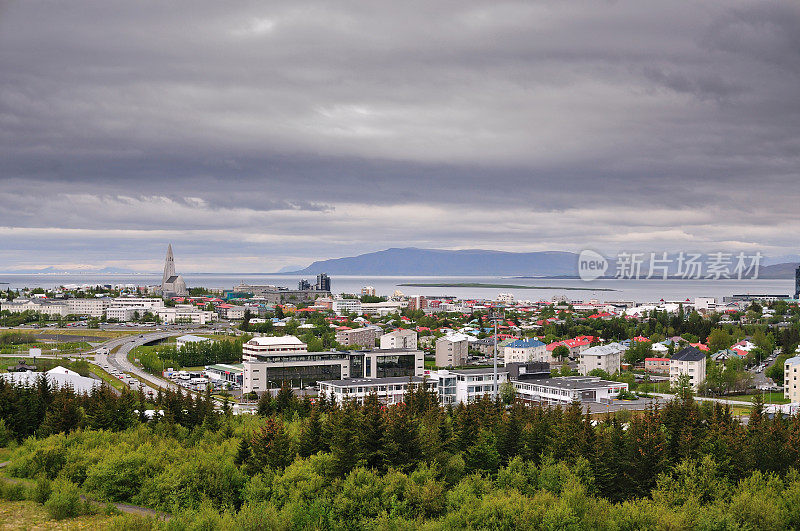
(278,117)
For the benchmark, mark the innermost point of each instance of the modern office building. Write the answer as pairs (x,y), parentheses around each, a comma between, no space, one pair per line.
(279,294)
(323,282)
(797,283)
(271,361)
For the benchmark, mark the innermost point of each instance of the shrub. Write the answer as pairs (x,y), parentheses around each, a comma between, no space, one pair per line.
(64,501)
(42,489)
(13,491)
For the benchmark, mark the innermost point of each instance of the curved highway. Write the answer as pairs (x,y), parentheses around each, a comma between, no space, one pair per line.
(119,359)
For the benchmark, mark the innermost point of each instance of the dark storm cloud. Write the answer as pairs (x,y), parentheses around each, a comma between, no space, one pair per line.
(284,131)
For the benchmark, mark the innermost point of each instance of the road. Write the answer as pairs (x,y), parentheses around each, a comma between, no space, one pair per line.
(709,399)
(119,359)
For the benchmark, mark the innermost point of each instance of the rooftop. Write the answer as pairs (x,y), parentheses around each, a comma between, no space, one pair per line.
(526,343)
(347,382)
(689,354)
(268,341)
(573,382)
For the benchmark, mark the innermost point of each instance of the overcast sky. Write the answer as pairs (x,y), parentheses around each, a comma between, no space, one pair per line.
(255,135)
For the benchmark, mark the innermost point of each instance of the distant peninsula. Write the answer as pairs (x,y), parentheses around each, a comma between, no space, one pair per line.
(495,286)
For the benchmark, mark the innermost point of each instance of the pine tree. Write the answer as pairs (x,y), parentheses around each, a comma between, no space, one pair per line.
(270,446)
(345,444)
(311,438)
(402,440)
(373,428)
(243,453)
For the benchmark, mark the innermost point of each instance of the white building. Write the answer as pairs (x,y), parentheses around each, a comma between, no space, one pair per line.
(689,361)
(381,309)
(368,290)
(124,314)
(268,346)
(58,377)
(389,390)
(189,338)
(149,303)
(525,350)
(53,309)
(400,338)
(567,389)
(605,357)
(184,313)
(235,312)
(466,385)
(94,307)
(343,306)
(452,350)
(705,304)
(790,379)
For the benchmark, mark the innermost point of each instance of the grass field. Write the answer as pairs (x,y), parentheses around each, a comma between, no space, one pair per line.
(769,398)
(107,334)
(30,515)
(106,377)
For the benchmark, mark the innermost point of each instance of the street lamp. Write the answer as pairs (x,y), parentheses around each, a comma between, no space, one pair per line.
(495,314)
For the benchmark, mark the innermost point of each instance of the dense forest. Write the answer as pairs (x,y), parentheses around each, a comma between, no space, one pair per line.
(322,465)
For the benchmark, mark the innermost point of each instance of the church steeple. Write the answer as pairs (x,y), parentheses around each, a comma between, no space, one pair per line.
(169,266)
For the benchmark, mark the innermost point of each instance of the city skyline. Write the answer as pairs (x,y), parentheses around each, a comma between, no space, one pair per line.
(256,137)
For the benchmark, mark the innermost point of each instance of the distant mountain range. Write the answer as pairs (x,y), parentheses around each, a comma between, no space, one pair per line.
(412,261)
(56,271)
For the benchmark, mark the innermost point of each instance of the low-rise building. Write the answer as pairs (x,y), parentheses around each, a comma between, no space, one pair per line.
(363,337)
(190,338)
(264,347)
(184,313)
(791,379)
(656,365)
(46,307)
(123,314)
(452,350)
(94,307)
(525,350)
(566,389)
(605,357)
(400,338)
(389,390)
(466,385)
(232,373)
(690,361)
(345,306)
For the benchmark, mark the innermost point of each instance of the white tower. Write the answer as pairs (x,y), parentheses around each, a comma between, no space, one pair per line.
(169,266)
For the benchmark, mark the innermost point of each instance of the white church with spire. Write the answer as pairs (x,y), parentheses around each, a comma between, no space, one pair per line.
(172,285)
